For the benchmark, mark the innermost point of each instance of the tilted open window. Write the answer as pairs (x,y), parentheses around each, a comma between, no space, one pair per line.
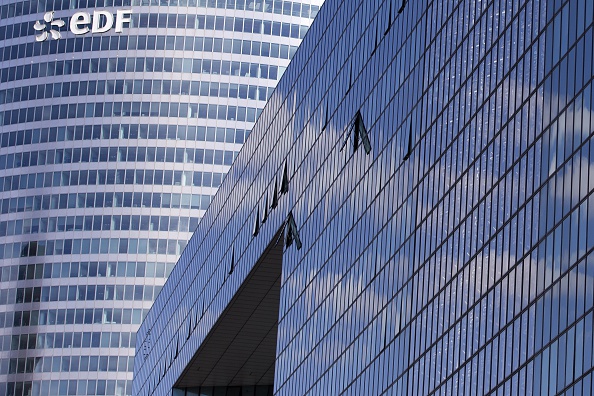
(256,229)
(358,133)
(292,232)
(285,180)
(274,203)
(410,144)
(401,9)
(232,266)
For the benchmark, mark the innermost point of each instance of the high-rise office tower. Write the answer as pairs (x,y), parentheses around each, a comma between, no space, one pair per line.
(412,214)
(118,121)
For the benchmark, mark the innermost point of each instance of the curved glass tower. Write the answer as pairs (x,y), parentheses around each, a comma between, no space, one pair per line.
(118,121)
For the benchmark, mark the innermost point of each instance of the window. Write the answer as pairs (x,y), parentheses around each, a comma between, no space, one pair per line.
(265,217)
(256,230)
(409,148)
(359,134)
(292,232)
(274,196)
(232,267)
(326,117)
(285,181)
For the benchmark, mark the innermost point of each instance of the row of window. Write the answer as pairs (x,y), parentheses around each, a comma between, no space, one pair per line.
(128,109)
(281,7)
(69,340)
(123,131)
(82,293)
(97,223)
(104,200)
(104,177)
(67,387)
(117,154)
(188,21)
(91,246)
(66,317)
(65,364)
(144,87)
(24,295)
(132,43)
(93,269)
(141,64)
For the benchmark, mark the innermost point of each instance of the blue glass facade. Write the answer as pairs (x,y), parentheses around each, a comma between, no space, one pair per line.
(112,145)
(439,158)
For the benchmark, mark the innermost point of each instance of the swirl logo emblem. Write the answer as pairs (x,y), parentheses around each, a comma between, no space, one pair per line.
(48,18)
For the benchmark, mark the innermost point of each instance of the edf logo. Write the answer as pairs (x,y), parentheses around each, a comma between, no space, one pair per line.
(82,23)
(40,27)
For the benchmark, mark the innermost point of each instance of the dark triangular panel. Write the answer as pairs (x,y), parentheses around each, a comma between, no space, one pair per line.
(285,181)
(256,230)
(265,217)
(377,41)
(274,203)
(409,148)
(232,261)
(360,134)
(189,326)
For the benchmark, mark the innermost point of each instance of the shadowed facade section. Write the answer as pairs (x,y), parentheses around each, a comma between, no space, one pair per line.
(241,347)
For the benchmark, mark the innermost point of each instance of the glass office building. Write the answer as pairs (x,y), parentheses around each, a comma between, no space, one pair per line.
(413,214)
(112,143)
